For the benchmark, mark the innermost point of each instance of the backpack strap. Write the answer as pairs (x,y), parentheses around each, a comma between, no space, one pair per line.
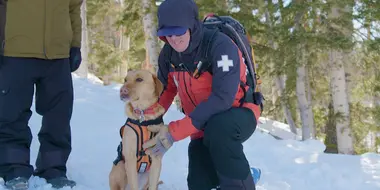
(250,95)
(168,54)
(204,63)
(208,38)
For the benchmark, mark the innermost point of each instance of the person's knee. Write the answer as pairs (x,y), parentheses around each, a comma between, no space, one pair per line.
(214,136)
(56,93)
(234,125)
(15,102)
(218,129)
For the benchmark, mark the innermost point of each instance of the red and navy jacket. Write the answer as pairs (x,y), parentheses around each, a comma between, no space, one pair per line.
(207,95)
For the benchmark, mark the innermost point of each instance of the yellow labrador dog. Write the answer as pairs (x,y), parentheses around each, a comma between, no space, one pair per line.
(134,169)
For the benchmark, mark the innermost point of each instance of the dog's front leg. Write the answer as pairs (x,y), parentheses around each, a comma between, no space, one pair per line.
(118,177)
(129,152)
(154,174)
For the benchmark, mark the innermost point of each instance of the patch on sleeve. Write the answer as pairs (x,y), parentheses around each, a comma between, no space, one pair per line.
(225,63)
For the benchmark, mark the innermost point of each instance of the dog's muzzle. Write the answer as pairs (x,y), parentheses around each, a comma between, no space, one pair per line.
(124,94)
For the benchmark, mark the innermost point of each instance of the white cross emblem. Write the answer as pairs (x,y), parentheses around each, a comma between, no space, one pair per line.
(225,63)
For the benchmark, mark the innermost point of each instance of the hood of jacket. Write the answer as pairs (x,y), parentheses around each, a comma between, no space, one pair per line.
(182,13)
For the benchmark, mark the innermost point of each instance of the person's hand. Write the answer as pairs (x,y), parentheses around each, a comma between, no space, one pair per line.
(75,58)
(161,143)
(1,60)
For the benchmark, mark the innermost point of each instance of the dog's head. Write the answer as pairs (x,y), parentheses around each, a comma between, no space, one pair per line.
(140,85)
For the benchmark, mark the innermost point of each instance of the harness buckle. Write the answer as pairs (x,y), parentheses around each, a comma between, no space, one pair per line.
(142,118)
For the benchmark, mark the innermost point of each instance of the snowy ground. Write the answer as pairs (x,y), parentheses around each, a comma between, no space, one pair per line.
(285,164)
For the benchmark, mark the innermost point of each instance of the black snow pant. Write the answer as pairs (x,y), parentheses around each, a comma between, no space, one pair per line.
(218,159)
(51,80)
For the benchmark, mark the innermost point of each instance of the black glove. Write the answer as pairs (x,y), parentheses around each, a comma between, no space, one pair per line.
(1,60)
(75,58)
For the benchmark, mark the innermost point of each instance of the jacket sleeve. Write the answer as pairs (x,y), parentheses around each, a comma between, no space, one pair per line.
(76,22)
(225,60)
(170,89)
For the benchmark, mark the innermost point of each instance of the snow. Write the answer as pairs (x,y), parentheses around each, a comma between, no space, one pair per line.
(286,164)
(278,129)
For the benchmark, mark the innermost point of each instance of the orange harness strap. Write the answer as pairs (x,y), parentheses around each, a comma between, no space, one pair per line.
(144,161)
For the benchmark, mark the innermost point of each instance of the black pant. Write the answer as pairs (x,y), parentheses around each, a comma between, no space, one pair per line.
(218,157)
(54,101)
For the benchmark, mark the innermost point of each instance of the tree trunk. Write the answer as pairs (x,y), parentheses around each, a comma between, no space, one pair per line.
(124,46)
(309,99)
(151,44)
(108,30)
(338,88)
(304,106)
(274,91)
(340,102)
(279,81)
(374,134)
(376,113)
(330,130)
(83,69)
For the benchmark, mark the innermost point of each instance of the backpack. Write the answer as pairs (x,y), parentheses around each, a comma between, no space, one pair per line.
(234,30)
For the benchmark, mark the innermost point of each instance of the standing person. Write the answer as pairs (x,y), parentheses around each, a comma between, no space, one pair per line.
(214,119)
(40,47)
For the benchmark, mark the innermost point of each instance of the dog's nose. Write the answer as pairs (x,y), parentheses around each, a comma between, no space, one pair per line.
(124,94)
(123,90)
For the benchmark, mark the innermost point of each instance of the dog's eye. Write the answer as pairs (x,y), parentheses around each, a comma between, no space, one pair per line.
(139,80)
(125,80)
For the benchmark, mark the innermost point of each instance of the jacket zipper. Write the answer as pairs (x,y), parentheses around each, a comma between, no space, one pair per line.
(190,79)
(44,33)
(183,66)
(184,80)
(2,50)
(179,87)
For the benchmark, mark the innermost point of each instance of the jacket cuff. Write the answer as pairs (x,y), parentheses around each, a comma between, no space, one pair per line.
(182,128)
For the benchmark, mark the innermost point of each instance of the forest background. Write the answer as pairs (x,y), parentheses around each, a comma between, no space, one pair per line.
(318,60)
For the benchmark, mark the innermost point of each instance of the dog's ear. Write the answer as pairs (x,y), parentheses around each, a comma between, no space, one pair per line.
(159,87)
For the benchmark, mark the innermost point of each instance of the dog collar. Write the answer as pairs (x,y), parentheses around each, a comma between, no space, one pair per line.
(149,110)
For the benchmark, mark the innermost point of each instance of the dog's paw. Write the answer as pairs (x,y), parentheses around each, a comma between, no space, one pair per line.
(155,128)
(149,144)
(146,187)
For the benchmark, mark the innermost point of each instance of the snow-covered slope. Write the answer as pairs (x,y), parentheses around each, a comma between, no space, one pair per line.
(285,164)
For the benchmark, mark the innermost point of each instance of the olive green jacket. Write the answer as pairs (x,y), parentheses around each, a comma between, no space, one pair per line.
(44,29)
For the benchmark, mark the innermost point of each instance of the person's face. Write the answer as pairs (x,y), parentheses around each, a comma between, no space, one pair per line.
(179,43)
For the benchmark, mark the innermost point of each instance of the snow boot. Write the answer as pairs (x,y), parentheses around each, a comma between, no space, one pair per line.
(236,184)
(19,183)
(61,182)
